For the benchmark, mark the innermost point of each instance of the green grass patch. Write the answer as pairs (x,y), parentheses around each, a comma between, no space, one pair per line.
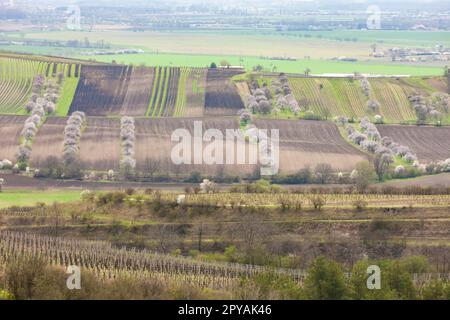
(9,198)
(67,94)
(299,66)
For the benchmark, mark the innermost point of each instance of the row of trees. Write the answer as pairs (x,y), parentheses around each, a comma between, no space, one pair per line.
(32,123)
(71,152)
(128,138)
(384,149)
(42,102)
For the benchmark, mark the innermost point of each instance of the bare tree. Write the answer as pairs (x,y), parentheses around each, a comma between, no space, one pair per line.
(56,217)
(152,166)
(363,175)
(165,236)
(323,172)
(252,232)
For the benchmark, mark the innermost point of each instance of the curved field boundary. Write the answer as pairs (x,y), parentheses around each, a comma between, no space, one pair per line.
(243,89)
(10,129)
(16,80)
(429,143)
(222,97)
(420,85)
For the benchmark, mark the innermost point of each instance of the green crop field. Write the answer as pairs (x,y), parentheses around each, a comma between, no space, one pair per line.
(159,88)
(30,198)
(299,66)
(67,92)
(317,65)
(311,49)
(165,93)
(331,97)
(16,80)
(254,42)
(393,99)
(393,37)
(191,92)
(181,95)
(334,97)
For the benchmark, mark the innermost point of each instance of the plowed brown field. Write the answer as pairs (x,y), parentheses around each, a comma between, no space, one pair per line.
(308,143)
(48,141)
(429,143)
(100,144)
(302,143)
(153,144)
(10,128)
(139,90)
(222,97)
(101,90)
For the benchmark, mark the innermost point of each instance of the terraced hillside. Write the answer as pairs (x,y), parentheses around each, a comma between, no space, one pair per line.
(17,73)
(429,143)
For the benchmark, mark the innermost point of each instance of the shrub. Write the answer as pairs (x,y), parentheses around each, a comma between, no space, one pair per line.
(317,201)
(325,281)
